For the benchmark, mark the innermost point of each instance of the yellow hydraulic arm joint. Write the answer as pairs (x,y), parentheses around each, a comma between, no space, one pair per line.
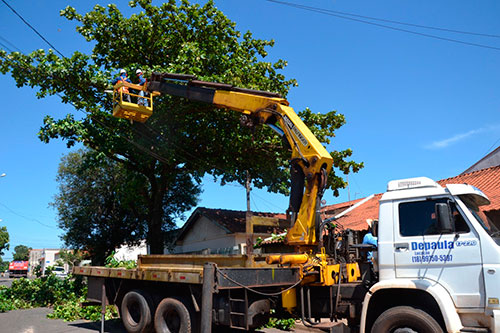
(309,159)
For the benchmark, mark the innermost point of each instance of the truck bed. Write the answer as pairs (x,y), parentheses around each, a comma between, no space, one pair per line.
(249,271)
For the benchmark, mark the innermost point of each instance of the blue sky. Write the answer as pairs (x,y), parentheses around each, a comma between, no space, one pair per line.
(414,105)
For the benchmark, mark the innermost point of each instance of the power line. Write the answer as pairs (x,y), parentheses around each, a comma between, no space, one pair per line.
(27,218)
(395,22)
(254,203)
(268,203)
(327,12)
(6,47)
(493,145)
(32,28)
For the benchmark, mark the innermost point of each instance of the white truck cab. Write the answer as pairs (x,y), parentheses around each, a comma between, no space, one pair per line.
(436,257)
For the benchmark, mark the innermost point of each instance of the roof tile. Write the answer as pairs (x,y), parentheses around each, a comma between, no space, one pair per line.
(234,220)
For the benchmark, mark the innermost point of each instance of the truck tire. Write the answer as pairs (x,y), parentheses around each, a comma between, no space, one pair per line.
(172,316)
(405,319)
(135,312)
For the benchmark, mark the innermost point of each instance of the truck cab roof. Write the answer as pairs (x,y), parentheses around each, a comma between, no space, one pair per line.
(425,187)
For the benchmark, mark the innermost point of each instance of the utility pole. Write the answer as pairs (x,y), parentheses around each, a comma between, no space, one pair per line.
(249,181)
(348,188)
(248,218)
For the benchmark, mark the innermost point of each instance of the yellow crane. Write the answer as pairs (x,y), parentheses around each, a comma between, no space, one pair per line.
(310,162)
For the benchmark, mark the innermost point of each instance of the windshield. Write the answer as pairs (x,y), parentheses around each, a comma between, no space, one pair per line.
(490,228)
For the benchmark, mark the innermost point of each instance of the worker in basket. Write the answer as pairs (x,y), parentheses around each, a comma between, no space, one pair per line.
(124,90)
(142,82)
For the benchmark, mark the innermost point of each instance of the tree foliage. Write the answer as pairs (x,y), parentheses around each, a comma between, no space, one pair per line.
(182,140)
(4,240)
(101,207)
(4,265)
(21,252)
(72,257)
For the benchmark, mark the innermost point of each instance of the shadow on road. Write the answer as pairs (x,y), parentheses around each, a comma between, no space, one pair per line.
(110,326)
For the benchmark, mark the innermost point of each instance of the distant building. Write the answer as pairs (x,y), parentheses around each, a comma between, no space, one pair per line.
(45,258)
(49,259)
(34,260)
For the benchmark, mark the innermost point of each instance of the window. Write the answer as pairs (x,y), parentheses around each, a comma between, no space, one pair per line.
(419,218)
(460,224)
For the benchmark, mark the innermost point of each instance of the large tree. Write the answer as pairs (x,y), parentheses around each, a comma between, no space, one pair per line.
(102,205)
(182,137)
(21,252)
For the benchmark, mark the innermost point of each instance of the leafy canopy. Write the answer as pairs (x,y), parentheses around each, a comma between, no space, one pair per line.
(183,139)
(72,257)
(21,252)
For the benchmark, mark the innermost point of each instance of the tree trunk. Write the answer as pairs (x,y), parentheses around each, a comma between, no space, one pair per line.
(155,234)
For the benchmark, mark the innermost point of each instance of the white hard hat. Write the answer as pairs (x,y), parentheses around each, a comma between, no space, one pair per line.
(122,71)
(138,71)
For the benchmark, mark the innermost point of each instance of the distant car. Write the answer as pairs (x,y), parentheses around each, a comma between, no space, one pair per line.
(59,272)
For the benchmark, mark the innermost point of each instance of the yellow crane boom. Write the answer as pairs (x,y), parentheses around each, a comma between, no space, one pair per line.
(310,162)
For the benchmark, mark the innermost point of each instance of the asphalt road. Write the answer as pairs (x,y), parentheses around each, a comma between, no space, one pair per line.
(5,281)
(36,321)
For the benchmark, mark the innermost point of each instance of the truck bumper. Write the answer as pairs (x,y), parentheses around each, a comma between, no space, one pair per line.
(495,321)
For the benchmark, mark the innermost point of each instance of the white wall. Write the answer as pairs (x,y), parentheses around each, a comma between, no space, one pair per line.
(49,258)
(34,260)
(125,252)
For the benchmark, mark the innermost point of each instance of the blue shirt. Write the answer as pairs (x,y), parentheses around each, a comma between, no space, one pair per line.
(122,77)
(142,80)
(370,239)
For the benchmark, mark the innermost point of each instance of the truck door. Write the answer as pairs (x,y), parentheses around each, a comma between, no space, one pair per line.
(452,260)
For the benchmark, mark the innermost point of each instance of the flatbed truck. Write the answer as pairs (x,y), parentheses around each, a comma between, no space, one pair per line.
(441,279)
(436,267)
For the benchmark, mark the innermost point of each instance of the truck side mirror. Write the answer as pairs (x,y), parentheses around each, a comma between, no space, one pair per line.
(444,218)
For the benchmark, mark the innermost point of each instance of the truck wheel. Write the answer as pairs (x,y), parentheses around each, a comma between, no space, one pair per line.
(405,319)
(172,316)
(136,312)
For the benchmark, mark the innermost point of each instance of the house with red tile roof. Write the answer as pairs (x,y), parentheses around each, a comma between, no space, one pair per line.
(487,180)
